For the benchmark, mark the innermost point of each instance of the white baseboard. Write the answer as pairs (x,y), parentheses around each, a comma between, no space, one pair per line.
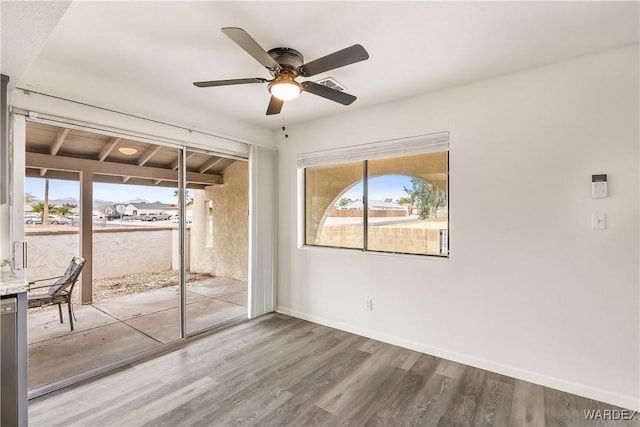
(606,396)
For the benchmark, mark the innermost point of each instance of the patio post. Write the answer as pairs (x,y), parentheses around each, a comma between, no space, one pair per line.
(86,235)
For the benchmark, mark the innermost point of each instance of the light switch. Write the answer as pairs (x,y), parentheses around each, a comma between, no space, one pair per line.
(598,221)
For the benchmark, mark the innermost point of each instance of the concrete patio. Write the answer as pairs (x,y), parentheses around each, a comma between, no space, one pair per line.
(123,326)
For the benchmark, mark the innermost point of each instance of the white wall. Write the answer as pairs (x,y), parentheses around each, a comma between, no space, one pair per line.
(530,290)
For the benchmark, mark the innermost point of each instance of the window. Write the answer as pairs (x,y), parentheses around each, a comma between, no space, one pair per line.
(328,223)
(406,197)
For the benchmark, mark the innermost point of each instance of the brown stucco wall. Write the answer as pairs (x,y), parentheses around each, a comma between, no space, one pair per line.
(386,239)
(115,252)
(226,254)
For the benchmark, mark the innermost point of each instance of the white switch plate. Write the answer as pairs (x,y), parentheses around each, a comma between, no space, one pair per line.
(598,221)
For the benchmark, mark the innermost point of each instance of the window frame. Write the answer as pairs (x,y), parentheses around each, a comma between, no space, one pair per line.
(365,216)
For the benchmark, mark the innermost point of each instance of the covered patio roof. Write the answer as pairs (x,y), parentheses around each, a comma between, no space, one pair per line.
(60,153)
(88,157)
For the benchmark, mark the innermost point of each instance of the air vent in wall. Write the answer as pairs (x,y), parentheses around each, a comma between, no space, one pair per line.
(331,83)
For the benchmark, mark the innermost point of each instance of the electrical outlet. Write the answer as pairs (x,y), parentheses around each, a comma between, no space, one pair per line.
(368,305)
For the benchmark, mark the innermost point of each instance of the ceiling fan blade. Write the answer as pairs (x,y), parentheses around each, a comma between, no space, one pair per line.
(275,105)
(346,56)
(230,82)
(245,41)
(326,92)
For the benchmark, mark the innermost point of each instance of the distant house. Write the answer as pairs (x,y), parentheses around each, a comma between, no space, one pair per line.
(375,205)
(106,210)
(377,208)
(175,210)
(140,208)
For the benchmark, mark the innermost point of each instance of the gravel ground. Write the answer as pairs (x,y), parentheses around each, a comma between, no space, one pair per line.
(134,283)
(130,284)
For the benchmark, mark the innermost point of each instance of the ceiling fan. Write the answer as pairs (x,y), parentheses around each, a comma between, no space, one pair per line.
(285,65)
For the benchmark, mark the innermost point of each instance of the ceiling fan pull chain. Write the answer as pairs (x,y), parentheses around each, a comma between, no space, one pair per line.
(284,128)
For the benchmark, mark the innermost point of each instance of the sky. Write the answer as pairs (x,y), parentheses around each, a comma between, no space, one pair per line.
(381,188)
(59,189)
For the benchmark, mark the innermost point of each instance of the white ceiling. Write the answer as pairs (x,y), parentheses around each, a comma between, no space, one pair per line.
(141,57)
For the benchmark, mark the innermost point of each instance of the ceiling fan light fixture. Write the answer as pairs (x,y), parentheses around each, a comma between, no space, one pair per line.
(285,88)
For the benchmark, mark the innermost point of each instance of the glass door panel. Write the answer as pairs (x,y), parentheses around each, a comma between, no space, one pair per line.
(118,210)
(216,220)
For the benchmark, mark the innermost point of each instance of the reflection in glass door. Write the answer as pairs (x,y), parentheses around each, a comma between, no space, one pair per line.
(216,218)
(51,233)
(125,215)
(135,277)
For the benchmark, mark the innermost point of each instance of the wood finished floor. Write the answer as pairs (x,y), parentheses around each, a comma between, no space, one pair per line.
(277,371)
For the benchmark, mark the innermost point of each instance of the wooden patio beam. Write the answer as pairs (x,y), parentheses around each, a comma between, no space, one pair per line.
(37,160)
(210,163)
(148,155)
(104,153)
(73,176)
(59,141)
(174,164)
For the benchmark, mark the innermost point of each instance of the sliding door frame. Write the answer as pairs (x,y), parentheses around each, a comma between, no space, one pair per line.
(18,121)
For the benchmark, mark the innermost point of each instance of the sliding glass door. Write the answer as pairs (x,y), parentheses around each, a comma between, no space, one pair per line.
(163,231)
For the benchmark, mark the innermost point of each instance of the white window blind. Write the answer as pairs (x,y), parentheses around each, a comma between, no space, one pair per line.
(262,236)
(419,144)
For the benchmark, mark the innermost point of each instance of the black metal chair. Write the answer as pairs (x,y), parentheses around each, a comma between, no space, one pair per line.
(60,291)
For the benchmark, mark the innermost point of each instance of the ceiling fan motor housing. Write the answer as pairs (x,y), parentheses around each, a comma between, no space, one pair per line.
(288,58)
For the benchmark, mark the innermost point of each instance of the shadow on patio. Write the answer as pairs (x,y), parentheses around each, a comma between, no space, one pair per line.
(119,327)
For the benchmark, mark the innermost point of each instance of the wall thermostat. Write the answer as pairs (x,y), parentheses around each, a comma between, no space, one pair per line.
(599,185)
